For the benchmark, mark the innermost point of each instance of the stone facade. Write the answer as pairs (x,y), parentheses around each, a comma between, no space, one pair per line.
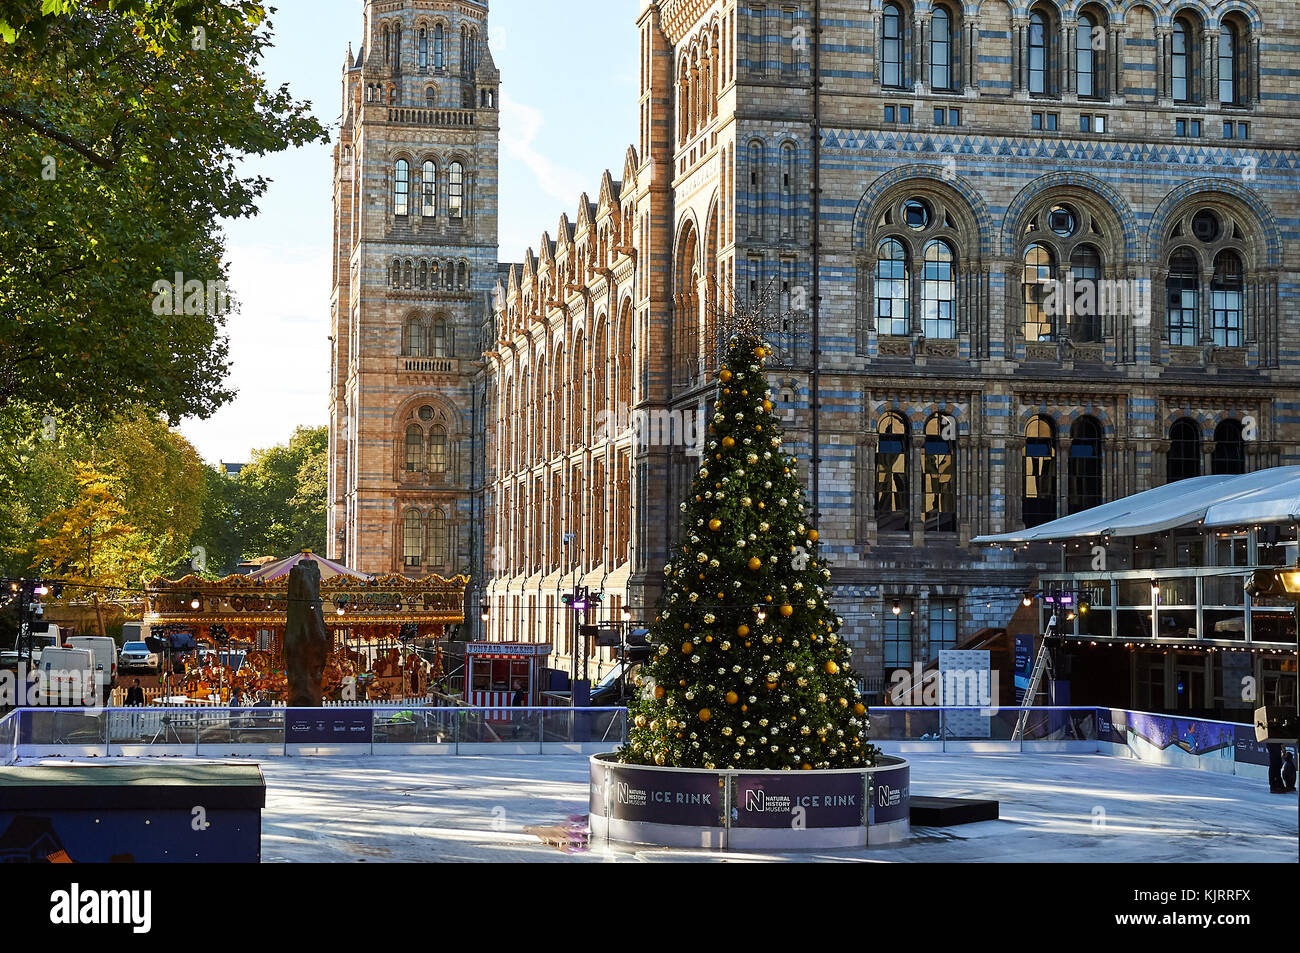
(1019,266)
(415,259)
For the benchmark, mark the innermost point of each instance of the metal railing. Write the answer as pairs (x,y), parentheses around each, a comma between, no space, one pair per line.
(394,729)
(271,730)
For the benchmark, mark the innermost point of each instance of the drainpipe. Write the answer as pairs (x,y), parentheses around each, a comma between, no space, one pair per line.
(815,376)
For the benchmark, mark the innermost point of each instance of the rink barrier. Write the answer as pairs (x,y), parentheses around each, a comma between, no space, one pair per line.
(210,732)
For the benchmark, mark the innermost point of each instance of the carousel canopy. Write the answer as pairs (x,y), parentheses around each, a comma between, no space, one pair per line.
(328,568)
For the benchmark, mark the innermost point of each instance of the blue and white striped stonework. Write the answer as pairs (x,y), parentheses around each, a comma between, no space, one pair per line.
(729,193)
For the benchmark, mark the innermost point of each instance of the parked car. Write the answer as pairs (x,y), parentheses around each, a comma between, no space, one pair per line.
(136,657)
(67,676)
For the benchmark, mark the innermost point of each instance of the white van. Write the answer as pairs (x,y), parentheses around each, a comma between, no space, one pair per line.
(68,677)
(105,651)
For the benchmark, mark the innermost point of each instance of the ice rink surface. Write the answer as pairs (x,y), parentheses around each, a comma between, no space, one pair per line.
(1053,808)
(502,808)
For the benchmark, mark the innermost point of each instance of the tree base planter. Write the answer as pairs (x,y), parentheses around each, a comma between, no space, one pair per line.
(749,810)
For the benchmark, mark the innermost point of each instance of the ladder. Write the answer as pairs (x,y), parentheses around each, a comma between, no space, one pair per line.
(1043,663)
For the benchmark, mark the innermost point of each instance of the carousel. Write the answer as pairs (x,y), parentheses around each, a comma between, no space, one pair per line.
(237,625)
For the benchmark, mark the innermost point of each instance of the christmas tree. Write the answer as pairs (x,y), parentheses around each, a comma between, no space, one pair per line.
(748,670)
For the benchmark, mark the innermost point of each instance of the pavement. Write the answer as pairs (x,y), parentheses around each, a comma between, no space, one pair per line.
(1054,807)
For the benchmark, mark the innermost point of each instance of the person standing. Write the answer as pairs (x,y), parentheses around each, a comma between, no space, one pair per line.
(135,699)
(518,702)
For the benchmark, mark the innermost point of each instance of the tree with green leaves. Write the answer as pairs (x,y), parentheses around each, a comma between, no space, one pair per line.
(274,506)
(156,472)
(91,545)
(122,123)
(748,669)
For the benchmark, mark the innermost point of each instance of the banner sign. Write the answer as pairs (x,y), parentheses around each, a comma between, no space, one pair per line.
(1024,665)
(889,795)
(665,797)
(1249,751)
(1112,725)
(1193,736)
(336,726)
(798,800)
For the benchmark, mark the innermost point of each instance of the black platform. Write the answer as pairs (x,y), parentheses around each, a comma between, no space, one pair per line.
(951,811)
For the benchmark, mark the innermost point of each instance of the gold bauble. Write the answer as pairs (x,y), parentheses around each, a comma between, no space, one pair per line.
(715,524)
(724,375)
(755,563)
(831,668)
(787,610)
(767,405)
(689,647)
(705,714)
(805,767)
(812,535)
(660,692)
(732,698)
(742,630)
(859,709)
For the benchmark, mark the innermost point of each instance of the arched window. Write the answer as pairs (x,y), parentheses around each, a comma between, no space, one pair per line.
(892,288)
(439,540)
(940,474)
(424,275)
(755,163)
(1229,64)
(892,491)
(892,47)
(940,49)
(439,342)
(1035,284)
(456,190)
(1084,490)
(437,450)
(1184,460)
(787,189)
(1085,268)
(1226,292)
(428,189)
(388,45)
(412,540)
(1181,65)
(1085,58)
(417,338)
(414,449)
(1039,48)
(1040,472)
(423,58)
(1183,299)
(938,310)
(438,47)
(1229,448)
(406,274)
(401,187)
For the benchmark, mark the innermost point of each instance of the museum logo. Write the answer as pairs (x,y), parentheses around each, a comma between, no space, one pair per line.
(77,907)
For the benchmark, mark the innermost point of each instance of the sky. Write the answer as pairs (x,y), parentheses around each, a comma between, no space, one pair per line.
(568,112)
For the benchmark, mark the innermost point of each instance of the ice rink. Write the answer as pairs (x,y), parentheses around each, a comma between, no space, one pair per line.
(1053,808)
